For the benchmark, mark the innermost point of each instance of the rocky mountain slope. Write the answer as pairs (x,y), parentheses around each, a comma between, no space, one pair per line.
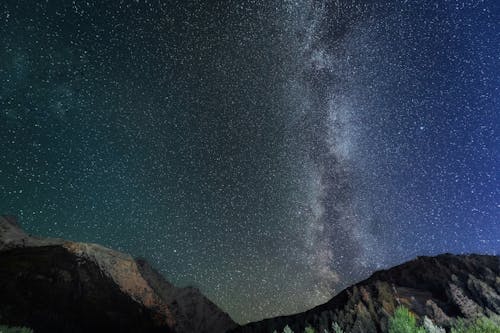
(53,285)
(441,288)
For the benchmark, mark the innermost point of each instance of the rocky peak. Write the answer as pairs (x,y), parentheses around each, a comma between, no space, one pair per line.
(77,272)
(194,312)
(54,285)
(439,288)
(12,236)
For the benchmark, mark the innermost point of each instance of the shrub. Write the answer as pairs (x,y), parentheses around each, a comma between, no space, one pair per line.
(479,325)
(403,321)
(6,329)
(336,328)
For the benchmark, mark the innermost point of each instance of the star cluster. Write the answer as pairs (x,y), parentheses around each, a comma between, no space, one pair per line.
(268,152)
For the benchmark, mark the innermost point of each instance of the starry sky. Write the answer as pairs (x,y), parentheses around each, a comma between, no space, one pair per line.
(268,152)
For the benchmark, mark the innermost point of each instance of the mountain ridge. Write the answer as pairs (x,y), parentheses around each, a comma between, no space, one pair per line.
(77,276)
(440,287)
(54,285)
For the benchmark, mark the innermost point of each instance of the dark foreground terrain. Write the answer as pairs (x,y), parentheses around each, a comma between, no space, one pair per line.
(442,288)
(53,285)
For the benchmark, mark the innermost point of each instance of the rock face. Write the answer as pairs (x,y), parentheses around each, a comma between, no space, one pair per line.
(440,288)
(53,285)
(193,312)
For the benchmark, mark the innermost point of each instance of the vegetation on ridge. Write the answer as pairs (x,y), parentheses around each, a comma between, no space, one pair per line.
(404,321)
(7,329)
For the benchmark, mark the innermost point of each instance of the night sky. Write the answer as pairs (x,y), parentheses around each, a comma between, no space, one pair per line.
(268,152)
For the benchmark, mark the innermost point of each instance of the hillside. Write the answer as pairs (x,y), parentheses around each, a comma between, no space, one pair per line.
(442,287)
(53,285)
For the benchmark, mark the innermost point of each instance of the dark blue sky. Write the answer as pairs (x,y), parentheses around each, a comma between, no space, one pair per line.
(268,152)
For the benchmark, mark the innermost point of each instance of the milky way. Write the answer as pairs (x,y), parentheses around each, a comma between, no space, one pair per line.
(268,152)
